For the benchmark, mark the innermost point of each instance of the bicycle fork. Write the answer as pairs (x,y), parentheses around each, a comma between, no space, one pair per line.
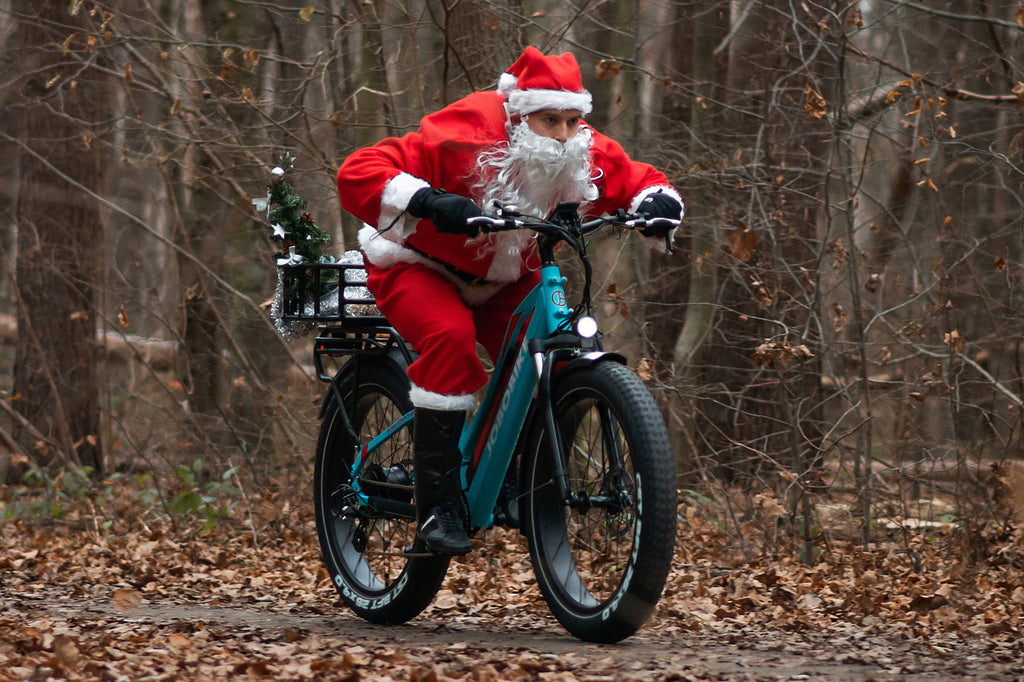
(547,354)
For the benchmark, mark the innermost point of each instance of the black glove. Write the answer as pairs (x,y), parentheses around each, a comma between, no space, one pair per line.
(448,212)
(660,205)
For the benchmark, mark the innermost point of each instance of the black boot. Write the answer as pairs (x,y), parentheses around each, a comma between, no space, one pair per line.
(442,515)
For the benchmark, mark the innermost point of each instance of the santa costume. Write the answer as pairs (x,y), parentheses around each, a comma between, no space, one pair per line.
(458,291)
(445,292)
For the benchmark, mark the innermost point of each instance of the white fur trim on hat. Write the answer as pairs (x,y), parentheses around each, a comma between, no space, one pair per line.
(528,101)
(421,397)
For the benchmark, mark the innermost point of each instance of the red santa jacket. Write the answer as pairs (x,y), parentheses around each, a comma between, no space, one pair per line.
(377,182)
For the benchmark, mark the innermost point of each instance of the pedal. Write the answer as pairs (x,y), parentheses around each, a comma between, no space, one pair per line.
(416,549)
(414,555)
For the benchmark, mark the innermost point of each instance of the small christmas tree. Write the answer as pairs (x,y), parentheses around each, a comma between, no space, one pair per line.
(300,238)
(301,243)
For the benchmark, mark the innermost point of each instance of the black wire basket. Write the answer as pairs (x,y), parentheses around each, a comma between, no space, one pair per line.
(326,293)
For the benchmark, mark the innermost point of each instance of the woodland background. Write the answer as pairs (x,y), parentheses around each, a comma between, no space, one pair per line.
(836,343)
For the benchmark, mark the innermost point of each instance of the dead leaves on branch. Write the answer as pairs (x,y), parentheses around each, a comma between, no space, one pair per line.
(815,105)
(606,69)
(742,244)
(779,355)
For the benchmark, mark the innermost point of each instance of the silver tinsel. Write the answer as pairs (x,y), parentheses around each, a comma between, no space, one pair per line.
(362,305)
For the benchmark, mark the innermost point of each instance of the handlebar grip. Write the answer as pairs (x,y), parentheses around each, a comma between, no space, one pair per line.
(641,222)
(662,222)
(487,223)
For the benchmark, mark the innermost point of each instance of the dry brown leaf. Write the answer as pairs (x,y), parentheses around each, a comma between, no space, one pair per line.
(179,641)
(606,69)
(645,370)
(126,599)
(814,103)
(927,602)
(742,244)
(446,599)
(66,649)
(1018,90)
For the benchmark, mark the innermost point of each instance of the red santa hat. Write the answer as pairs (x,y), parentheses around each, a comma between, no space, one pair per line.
(538,81)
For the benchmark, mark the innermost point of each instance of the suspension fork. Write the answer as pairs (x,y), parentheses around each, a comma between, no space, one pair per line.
(546,353)
(613,448)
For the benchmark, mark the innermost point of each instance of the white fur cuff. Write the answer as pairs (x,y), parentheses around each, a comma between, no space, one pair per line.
(659,243)
(395,199)
(671,191)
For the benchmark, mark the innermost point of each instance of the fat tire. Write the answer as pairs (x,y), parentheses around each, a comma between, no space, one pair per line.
(384,589)
(602,594)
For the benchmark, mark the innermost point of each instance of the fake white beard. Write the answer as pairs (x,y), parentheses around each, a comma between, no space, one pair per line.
(534,173)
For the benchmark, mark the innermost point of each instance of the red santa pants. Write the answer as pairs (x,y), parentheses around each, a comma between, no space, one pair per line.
(426,308)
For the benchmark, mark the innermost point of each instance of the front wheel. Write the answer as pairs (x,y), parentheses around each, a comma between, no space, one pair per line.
(372,555)
(601,553)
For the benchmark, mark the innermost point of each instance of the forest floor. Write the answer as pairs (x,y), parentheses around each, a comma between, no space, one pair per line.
(109,590)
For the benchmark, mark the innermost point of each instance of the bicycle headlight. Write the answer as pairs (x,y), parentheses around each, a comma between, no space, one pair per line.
(586,327)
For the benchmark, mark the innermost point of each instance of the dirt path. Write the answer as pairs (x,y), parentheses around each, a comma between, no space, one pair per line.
(166,640)
(143,598)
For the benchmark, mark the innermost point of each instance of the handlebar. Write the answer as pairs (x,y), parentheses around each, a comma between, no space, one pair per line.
(508,219)
(565,226)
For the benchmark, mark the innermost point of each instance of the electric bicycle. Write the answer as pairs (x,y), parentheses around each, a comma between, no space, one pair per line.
(567,443)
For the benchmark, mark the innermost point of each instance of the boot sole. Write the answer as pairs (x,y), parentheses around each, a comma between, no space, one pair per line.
(447,551)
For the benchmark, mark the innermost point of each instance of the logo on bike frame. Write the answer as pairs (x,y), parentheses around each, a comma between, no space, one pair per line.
(499,405)
(558,298)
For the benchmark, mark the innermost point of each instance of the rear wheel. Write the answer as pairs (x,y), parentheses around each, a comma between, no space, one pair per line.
(371,555)
(601,556)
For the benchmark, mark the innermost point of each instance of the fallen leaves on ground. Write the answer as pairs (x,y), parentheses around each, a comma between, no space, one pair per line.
(139,598)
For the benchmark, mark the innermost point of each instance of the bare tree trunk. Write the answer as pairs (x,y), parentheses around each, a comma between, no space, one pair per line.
(59,242)
(688,349)
(476,48)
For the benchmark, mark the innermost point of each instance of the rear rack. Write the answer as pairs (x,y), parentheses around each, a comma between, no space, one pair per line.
(360,339)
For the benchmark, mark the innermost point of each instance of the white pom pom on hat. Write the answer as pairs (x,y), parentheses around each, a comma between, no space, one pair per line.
(537,81)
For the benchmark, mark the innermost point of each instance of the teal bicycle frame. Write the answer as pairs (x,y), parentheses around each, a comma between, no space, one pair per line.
(488,441)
